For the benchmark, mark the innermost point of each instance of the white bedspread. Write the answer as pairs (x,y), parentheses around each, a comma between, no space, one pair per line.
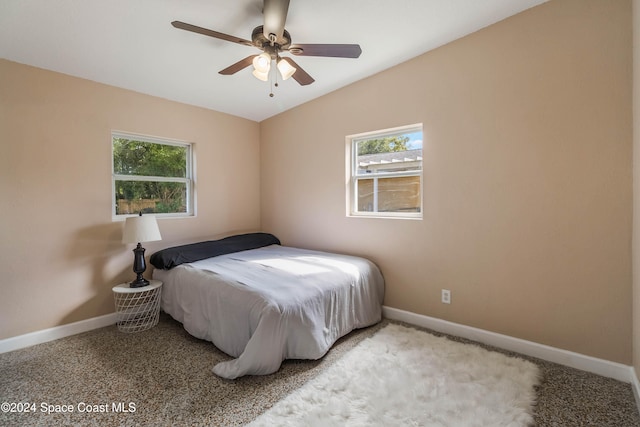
(265,305)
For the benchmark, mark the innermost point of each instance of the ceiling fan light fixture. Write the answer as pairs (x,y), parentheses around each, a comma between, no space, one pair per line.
(262,63)
(286,69)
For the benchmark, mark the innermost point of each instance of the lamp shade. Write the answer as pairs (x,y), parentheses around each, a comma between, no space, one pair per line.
(262,62)
(141,229)
(286,69)
(261,76)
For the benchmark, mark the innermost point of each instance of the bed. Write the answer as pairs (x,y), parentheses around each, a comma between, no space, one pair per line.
(261,302)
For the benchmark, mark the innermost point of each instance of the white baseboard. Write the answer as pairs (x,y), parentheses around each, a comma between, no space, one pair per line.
(602,367)
(38,337)
(635,385)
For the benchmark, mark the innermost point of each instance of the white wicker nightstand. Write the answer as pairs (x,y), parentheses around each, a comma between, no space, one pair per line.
(137,309)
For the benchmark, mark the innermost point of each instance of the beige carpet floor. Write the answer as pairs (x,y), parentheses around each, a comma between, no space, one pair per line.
(163,377)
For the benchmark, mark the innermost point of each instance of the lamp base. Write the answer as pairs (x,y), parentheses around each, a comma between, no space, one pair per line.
(139,266)
(139,282)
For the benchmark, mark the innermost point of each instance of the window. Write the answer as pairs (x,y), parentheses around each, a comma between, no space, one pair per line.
(385,173)
(151,175)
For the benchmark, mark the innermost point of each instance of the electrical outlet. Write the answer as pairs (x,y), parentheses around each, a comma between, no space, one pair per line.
(446,296)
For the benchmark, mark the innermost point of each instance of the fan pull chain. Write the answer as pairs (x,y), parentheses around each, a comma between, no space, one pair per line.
(271,81)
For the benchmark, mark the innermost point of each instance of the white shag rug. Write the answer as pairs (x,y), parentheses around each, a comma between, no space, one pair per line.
(406,377)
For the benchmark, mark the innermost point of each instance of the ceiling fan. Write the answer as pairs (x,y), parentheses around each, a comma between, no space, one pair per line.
(272,39)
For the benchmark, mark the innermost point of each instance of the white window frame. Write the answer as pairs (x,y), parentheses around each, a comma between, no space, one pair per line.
(188,180)
(353,177)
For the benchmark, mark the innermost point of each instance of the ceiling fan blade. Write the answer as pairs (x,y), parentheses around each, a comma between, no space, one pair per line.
(300,75)
(210,33)
(329,50)
(243,63)
(275,15)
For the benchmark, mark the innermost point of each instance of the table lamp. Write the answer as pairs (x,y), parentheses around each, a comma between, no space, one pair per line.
(140,229)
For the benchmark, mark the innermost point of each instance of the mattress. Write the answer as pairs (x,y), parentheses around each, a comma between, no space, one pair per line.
(265,305)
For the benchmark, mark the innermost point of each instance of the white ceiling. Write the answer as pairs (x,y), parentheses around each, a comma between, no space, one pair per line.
(131,43)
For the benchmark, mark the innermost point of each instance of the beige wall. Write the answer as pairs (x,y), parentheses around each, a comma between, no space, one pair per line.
(60,252)
(527,178)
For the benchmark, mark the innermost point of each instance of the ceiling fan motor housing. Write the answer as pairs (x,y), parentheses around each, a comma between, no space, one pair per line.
(260,41)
